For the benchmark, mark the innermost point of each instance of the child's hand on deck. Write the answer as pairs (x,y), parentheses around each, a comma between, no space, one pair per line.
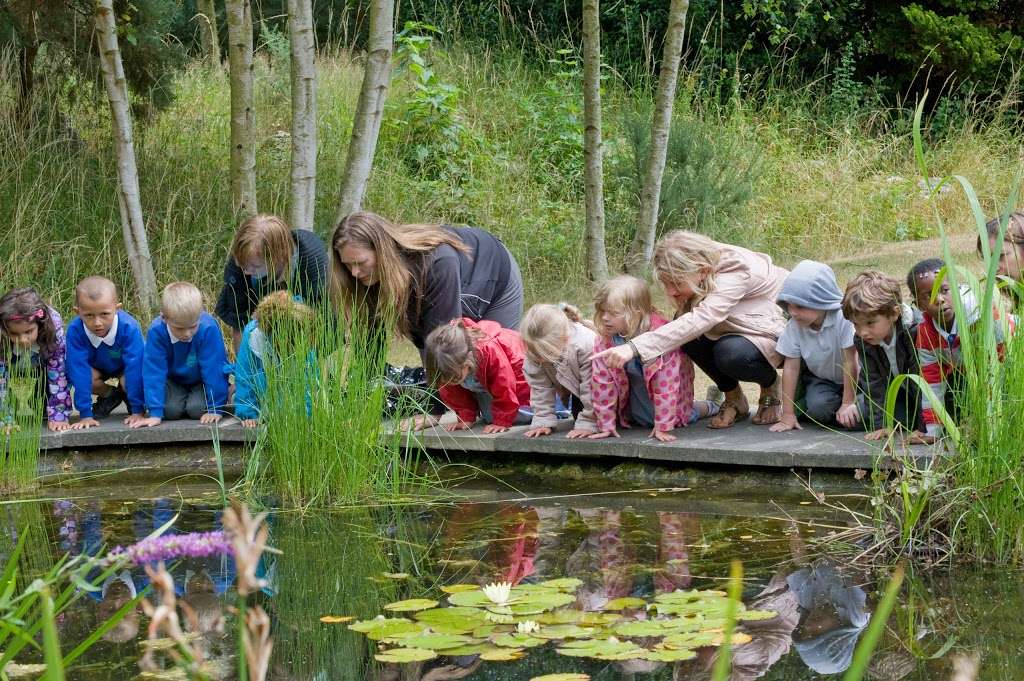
(146,422)
(848,415)
(209,418)
(57,426)
(418,422)
(458,425)
(787,422)
(132,419)
(250,423)
(663,435)
(87,422)
(578,433)
(492,428)
(879,434)
(535,432)
(919,438)
(603,434)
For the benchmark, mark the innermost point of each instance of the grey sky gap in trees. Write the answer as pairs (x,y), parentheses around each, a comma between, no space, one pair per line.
(370,108)
(128,200)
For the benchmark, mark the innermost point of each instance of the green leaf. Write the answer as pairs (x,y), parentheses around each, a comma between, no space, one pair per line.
(563,584)
(676,655)
(454,620)
(517,641)
(402,655)
(51,642)
(411,605)
(432,641)
(628,603)
(380,628)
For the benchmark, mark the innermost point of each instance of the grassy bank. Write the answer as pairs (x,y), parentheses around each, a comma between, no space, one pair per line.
(826,185)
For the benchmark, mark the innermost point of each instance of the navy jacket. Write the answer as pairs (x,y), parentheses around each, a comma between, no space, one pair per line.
(240,294)
(200,360)
(123,357)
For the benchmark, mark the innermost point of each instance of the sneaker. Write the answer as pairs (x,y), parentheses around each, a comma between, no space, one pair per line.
(104,405)
(714,394)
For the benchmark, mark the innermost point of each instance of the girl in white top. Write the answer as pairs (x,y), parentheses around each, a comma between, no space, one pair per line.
(559,345)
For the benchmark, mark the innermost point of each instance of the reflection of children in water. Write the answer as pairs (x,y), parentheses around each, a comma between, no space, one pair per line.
(504,542)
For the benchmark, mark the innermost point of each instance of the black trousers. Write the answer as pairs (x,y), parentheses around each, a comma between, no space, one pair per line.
(729,360)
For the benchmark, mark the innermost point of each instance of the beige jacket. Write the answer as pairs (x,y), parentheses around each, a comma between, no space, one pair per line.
(742,302)
(571,372)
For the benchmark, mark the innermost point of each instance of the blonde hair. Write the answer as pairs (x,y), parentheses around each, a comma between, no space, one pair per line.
(546,328)
(95,289)
(449,350)
(263,236)
(280,310)
(628,295)
(181,302)
(872,293)
(402,258)
(681,255)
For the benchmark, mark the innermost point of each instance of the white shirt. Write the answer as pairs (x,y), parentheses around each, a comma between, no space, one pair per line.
(890,353)
(821,349)
(97,340)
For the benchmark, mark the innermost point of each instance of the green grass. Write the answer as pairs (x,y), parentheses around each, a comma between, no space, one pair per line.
(20,446)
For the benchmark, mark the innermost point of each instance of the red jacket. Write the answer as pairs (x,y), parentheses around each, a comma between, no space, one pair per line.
(499,368)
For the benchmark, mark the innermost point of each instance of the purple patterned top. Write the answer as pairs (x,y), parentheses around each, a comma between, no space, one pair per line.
(58,390)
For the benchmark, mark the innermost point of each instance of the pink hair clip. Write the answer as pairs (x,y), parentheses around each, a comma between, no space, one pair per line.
(38,314)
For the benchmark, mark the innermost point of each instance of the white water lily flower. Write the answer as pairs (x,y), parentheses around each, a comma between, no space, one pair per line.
(527,627)
(498,592)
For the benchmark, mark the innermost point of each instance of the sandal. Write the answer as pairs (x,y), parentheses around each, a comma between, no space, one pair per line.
(762,417)
(729,414)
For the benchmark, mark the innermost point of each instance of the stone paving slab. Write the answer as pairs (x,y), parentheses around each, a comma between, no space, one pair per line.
(113,433)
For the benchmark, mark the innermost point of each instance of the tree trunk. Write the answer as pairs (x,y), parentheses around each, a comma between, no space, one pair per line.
(243,113)
(207,17)
(303,44)
(597,260)
(128,200)
(370,109)
(642,248)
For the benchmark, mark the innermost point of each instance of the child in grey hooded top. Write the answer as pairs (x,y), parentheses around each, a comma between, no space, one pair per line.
(817,344)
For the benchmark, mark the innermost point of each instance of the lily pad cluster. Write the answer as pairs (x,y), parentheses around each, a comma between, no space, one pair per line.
(500,622)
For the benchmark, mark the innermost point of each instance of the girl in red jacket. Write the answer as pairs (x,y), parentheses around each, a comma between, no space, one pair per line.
(656,395)
(479,369)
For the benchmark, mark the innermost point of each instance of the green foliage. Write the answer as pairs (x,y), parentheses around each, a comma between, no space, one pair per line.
(428,127)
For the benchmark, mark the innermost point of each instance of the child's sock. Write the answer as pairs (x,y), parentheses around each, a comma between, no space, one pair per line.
(702,409)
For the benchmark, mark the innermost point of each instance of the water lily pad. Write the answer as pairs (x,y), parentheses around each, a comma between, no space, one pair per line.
(411,605)
(562,677)
(602,649)
(628,603)
(517,641)
(536,603)
(562,631)
(643,628)
(676,655)
(502,655)
(380,628)
(754,615)
(432,641)
(499,618)
(473,649)
(740,638)
(336,619)
(598,618)
(484,630)
(455,620)
(691,639)
(471,599)
(402,655)
(563,584)
(459,588)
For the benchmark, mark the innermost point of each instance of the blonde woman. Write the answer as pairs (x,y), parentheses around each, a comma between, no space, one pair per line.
(726,321)
(419,277)
(266,256)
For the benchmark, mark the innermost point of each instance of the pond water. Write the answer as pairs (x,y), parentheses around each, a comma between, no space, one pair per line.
(641,543)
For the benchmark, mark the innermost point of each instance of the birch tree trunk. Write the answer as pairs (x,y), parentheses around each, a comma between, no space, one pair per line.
(642,248)
(207,16)
(128,201)
(304,144)
(243,113)
(370,108)
(593,170)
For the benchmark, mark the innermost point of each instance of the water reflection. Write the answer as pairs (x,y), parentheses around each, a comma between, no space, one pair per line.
(354,563)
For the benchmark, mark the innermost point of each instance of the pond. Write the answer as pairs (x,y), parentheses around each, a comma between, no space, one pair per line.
(621,539)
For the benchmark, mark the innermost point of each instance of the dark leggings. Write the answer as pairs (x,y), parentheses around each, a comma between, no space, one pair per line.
(729,360)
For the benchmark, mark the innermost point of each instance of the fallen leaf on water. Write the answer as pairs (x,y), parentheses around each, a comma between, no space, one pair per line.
(395,575)
(859,473)
(336,619)
(746,536)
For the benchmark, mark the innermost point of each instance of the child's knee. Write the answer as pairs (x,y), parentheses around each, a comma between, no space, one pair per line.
(195,404)
(822,405)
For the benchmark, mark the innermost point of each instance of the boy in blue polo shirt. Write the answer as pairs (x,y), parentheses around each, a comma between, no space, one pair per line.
(104,342)
(183,372)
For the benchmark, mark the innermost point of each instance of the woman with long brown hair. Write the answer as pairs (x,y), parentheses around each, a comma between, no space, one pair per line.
(414,278)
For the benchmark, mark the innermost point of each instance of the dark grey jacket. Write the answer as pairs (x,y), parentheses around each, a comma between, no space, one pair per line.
(874,379)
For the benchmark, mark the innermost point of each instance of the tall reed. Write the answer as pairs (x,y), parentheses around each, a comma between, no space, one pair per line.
(22,405)
(325,440)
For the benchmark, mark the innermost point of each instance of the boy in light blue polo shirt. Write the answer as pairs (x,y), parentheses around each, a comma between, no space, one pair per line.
(821,361)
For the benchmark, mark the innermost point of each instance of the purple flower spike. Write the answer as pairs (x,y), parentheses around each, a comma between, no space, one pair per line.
(173,546)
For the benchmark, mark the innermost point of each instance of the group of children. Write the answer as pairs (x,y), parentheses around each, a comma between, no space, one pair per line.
(841,351)
(179,370)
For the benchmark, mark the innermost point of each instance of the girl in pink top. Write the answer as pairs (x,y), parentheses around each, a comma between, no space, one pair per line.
(657,394)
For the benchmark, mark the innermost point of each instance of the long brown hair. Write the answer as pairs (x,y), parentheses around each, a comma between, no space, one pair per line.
(402,256)
(25,305)
(264,236)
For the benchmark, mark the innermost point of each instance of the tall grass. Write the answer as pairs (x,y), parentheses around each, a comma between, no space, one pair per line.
(24,403)
(325,441)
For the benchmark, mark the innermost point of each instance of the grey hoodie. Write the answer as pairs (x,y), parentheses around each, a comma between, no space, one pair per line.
(813,285)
